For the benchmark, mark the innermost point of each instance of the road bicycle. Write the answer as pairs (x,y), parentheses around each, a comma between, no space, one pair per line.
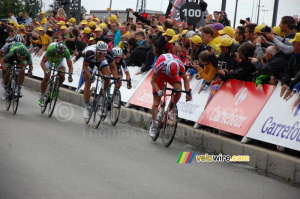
(13,92)
(52,94)
(103,101)
(167,125)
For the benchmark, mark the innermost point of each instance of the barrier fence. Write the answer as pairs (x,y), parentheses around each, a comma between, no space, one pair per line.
(238,107)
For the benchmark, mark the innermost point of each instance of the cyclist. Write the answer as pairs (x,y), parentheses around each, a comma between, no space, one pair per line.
(168,68)
(18,41)
(21,55)
(55,54)
(94,56)
(120,63)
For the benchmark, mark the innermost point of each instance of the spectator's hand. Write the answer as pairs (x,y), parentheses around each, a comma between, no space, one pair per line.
(296,19)
(258,39)
(105,20)
(177,47)
(297,101)
(184,24)
(39,53)
(259,87)
(287,91)
(201,88)
(284,87)
(270,36)
(131,10)
(221,72)
(290,96)
(263,40)
(253,60)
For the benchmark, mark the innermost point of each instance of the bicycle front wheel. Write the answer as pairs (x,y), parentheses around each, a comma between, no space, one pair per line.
(99,109)
(115,107)
(93,98)
(47,98)
(159,120)
(16,95)
(169,126)
(9,94)
(53,97)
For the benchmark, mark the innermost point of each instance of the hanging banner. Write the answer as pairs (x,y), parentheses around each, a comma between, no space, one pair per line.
(235,107)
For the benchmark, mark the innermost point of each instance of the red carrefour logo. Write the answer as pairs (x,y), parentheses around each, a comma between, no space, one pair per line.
(240,96)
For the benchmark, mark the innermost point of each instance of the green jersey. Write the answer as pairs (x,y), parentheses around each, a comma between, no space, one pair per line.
(12,55)
(53,57)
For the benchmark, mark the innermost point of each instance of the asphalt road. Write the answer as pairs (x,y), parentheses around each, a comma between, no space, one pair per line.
(61,157)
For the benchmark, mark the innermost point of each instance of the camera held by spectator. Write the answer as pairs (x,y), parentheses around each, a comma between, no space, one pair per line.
(266,29)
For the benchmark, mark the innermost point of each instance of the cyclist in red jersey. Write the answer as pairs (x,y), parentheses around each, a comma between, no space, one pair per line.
(168,68)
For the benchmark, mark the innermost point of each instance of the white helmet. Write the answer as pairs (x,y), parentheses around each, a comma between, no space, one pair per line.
(19,38)
(117,52)
(101,46)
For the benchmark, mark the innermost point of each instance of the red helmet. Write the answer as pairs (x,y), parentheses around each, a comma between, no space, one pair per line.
(172,69)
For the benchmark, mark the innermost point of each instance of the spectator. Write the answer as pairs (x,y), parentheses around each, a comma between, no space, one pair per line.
(44,41)
(43,18)
(99,36)
(116,31)
(223,19)
(61,15)
(246,69)
(239,35)
(92,26)
(216,28)
(284,25)
(20,18)
(287,49)
(276,63)
(3,32)
(28,19)
(291,75)
(249,32)
(196,48)
(207,38)
(137,56)
(162,43)
(123,30)
(84,24)
(12,17)
(227,30)
(55,36)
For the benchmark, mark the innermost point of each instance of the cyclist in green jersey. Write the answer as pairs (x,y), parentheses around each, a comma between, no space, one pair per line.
(20,54)
(55,54)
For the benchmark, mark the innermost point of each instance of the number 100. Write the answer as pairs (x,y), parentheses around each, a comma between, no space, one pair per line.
(192,13)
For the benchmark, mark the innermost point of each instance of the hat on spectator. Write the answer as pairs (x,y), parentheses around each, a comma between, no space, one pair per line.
(92,24)
(98,29)
(169,32)
(277,31)
(174,38)
(184,31)
(83,22)
(113,18)
(42,13)
(296,38)
(63,27)
(96,19)
(61,23)
(72,20)
(217,26)
(258,28)
(22,26)
(103,25)
(189,34)
(228,31)
(39,29)
(225,42)
(161,28)
(91,39)
(196,40)
(87,30)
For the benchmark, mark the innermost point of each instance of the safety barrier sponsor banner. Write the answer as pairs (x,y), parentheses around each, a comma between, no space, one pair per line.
(235,107)
(143,97)
(192,110)
(278,122)
(136,81)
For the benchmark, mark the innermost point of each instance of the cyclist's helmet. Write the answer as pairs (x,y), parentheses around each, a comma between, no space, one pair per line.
(117,52)
(60,48)
(19,38)
(101,46)
(22,51)
(172,69)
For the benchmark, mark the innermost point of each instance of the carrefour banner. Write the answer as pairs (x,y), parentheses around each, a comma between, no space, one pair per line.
(278,123)
(235,107)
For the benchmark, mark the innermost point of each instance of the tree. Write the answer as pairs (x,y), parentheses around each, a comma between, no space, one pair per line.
(73,7)
(32,7)
(14,5)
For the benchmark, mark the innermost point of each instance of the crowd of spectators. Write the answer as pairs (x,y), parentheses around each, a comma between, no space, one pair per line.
(215,52)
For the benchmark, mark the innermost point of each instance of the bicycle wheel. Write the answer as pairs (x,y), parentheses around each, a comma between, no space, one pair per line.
(98,113)
(115,107)
(53,96)
(16,95)
(47,99)
(169,127)
(92,103)
(159,120)
(9,94)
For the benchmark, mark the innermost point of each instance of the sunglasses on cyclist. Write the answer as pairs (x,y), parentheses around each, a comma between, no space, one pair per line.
(117,57)
(21,57)
(102,53)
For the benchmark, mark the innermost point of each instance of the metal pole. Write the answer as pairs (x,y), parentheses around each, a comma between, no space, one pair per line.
(223,6)
(78,17)
(252,11)
(275,11)
(67,8)
(236,5)
(110,6)
(258,11)
(264,15)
